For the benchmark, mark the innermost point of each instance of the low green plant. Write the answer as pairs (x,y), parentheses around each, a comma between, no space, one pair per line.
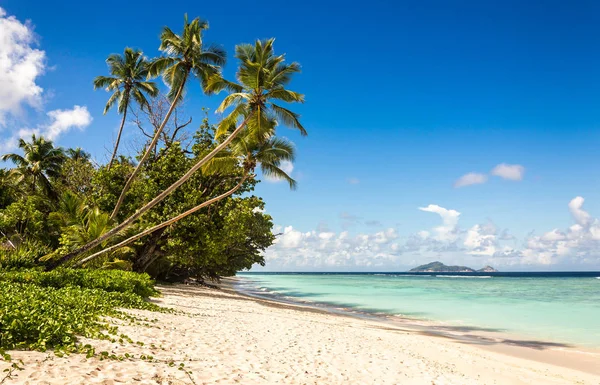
(40,317)
(108,280)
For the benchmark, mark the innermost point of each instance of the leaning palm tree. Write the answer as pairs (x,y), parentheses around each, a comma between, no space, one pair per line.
(40,162)
(262,77)
(268,155)
(128,81)
(185,55)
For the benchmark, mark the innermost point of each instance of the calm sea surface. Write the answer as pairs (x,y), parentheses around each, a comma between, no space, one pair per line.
(559,307)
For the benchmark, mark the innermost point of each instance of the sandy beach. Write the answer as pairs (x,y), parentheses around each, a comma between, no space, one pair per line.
(224,338)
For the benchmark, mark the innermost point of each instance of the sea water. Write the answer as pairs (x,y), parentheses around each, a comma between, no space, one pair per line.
(558,307)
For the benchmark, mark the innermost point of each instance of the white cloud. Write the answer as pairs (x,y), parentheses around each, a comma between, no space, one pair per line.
(577,246)
(509,171)
(20,66)
(447,231)
(297,250)
(353,181)
(581,217)
(470,179)
(64,120)
(61,121)
(481,240)
(503,170)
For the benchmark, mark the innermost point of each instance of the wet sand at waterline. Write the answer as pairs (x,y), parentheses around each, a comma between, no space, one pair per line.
(223,337)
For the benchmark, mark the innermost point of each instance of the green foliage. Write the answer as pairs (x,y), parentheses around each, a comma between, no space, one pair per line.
(107,280)
(76,174)
(25,218)
(24,255)
(39,318)
(40,163)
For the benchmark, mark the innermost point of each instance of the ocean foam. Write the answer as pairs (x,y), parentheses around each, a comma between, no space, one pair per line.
(463,276)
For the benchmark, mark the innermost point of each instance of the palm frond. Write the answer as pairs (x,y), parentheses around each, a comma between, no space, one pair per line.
(272,171)
(111,101)
(289,118)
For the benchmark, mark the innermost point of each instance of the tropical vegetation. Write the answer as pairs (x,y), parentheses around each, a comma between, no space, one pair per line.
(82,238)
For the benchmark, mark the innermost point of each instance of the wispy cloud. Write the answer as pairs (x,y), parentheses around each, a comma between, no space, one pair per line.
(509,171)
(470,179)
(503,170)
(353,181)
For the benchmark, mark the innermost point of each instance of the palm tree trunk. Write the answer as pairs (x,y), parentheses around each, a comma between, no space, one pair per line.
(111,233)
(164,224)
(114,154)
(153,144)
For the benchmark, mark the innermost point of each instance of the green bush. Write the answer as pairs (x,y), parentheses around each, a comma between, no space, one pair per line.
(24,256)
(36,317)
(107,280)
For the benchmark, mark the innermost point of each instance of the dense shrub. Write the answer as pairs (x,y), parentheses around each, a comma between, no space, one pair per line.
(107,280)
(24,256)
(35,317)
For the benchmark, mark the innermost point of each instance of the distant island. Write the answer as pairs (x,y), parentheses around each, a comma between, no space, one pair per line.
(439,267)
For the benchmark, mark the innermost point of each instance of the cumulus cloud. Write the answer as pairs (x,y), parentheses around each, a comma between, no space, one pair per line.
(60,122)
(509,171)
(481,240)
(576,207)
(297,250)
(448,230)
(470,179)
(20,66)
(477,245)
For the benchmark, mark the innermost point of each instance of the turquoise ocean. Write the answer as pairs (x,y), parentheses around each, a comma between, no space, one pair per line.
(555,307)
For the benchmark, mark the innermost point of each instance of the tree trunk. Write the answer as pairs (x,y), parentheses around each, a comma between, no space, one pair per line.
(164,224)
(148,251)
(149,262)
(153,144)
(111,233)
(114,154)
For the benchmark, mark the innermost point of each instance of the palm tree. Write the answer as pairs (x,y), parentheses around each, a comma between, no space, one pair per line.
(77,154)
(40,162)
(268,155)
(129,72)
(185,56)
(253,107)
(262,78)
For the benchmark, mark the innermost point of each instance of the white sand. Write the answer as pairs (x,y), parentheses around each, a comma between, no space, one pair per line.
(225,338)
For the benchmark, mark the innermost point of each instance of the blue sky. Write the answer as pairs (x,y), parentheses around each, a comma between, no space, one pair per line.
(403,99)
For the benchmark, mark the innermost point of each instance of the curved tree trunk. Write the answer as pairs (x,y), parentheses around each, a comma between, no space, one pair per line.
(162,225)
(148,252)
(111,233)
(153,144)
(114,154)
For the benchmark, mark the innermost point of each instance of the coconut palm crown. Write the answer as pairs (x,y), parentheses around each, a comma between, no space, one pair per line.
(261,80)
(128,81)
(40,162)
(185,54)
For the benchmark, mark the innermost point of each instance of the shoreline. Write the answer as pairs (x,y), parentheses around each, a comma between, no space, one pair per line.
(225,337)
(566,355)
